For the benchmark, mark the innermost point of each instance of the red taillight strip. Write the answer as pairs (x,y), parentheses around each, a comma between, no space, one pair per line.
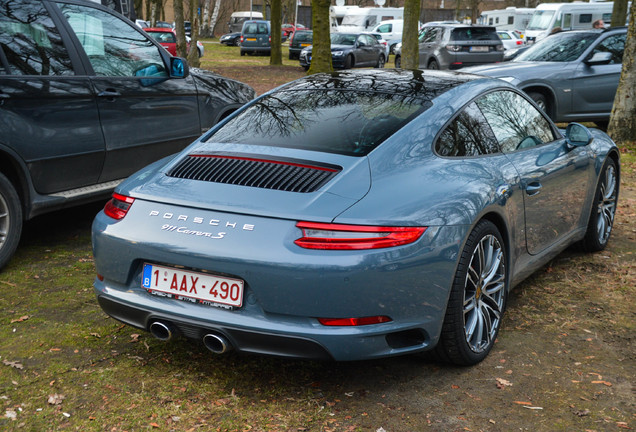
(118,206)
(266,161)
(352,322)
(336,238)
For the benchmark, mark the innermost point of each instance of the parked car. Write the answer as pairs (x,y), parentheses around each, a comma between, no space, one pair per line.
(384,43)
(300,226)
(86,99)
(453,46)
(256,37)
(511,39)
(167,38)
(163,24)
(350,50)
(300,39)
(391,32)
(231,39)
(287,29)
(571,75)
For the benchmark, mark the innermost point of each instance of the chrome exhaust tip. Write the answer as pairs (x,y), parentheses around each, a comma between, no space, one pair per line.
(216,343)
(162,330)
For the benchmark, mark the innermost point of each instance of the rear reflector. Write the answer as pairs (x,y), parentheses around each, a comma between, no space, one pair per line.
(354,237)
(352,322)
(118,206)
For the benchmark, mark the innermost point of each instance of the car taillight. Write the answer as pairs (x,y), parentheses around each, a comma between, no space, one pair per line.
(354,237)
(270,39)
(118,206)
(241,38)
(519,42)
(454,48)
(352,322)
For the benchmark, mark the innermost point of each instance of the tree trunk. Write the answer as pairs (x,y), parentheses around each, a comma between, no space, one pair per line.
(215,16)
(619,13)
(205,22)
(182,50)
(622,125)
(193,53)
(275,57)
(410,48)
(321,51)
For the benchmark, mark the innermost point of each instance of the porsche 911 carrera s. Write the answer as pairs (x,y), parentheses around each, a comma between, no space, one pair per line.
(355,215)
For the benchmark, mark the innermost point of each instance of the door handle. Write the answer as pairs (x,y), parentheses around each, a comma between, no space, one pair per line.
(533,188)
(109,94)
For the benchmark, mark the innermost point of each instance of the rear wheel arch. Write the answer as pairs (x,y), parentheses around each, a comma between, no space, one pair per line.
(12,170)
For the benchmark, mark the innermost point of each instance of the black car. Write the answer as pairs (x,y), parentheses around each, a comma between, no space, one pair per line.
(350,50)
(300,39)
(86,99)
(231,39)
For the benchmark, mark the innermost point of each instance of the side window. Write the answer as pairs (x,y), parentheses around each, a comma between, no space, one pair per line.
(467,135)
(30,42)
(113,47)
(385,28)
(514,121)
(362,41)
(585,18)
(614,45)
(431,35)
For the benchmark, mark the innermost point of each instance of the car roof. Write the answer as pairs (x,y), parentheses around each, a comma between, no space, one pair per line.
(426,85)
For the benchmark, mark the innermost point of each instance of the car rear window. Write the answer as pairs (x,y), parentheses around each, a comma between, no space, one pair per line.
(333,121)
(303,36)
(473,34)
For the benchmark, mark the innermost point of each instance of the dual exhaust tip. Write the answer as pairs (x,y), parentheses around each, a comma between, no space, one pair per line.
(215,342)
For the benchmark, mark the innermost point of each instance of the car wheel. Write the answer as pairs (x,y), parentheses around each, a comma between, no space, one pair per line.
(601,221)
(540,100)
(306,68)
(348,63)
(398,61)
(10,220)
(381,62)
(433,65)
(477,300)
(392,49)
(242,52)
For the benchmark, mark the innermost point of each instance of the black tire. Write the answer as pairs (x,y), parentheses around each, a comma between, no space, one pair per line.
(433,65)
(381,62)
(599,227)
(306,68)
(477,299)
(242,52)
(602,125)
(348,63)
(398,61)
(10,220)
(541,101)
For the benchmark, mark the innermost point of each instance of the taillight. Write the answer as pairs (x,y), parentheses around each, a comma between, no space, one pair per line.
(519,42)
(354,237)
(118,206)
(352,322)
(270,39)
(241,38)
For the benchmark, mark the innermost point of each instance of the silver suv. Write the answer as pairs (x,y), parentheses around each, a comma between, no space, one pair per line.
(453,46)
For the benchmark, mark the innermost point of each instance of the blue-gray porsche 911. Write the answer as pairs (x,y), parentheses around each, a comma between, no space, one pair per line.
(355,215)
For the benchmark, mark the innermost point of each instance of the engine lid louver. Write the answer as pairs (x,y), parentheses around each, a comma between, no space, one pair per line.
(289,175)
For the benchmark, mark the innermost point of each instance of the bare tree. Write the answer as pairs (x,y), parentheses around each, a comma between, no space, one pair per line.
(180,29)
(410,49)
(275,57)
(205,22)
(622,125)
(321,51)
(193,53)
(215,17)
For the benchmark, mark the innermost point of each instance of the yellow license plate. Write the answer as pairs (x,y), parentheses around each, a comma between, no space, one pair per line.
(251,39)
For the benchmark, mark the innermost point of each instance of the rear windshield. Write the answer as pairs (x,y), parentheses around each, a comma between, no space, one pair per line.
(333,121)
(303,36)
(560,47)
(255,28)
(163,36)
(473,34)
(343,39)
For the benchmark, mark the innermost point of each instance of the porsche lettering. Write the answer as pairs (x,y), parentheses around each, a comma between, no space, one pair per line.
(201,221)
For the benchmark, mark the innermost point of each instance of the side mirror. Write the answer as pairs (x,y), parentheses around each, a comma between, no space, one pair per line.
(599,58)
(577,135)
(179,67)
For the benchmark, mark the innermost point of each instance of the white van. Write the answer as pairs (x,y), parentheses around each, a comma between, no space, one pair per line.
(391,31)
(568,16)
(510,18)
(365,19)
(238,18)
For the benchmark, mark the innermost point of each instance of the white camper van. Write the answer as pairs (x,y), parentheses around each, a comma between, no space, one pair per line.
(391,31)
(238,18)
(365,19)
(568,16)
(511,18)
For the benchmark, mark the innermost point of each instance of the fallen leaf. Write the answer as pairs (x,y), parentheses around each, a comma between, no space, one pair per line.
(582,413)
(502,383)
(56,399)
(154,425)
(10,414)
(13,364)
(522,403)
(22,318)
(134,337)
(607,383)
(533,407)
